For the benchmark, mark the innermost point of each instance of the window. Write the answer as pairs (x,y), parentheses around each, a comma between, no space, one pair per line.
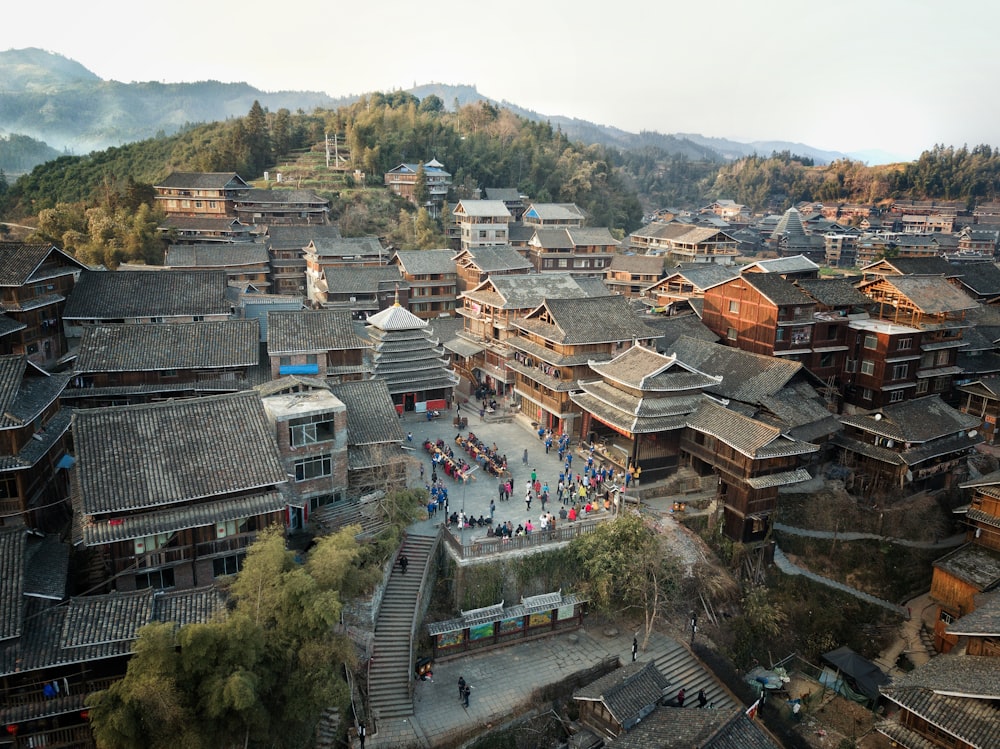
(905,344)
(228,565)
(501,234)
(313,468)
(285,361)
(867,367)
(310,429)
(563,262)
(169,373)
(900,371)
(734,306)
(731,334)
(482,233)
(156,579)
(866,394)
(197,204)
(851,365)
(941,383)
(779,334)
(921,387)
(311,359)
(8,487)
(147,544)
(198,318)
(895,396)
(871,342)
(156,319)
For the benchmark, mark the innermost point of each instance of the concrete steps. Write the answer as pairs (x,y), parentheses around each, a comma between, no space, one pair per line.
(685,671)
(391,670)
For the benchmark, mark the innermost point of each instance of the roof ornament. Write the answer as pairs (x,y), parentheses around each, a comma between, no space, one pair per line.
(396,302)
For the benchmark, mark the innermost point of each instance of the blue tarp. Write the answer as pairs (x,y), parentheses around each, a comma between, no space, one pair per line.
(303,369)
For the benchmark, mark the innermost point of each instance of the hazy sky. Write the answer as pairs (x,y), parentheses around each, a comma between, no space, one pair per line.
(895,75)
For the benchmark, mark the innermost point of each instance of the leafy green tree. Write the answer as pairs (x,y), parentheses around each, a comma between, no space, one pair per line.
(431,103)
(421,193)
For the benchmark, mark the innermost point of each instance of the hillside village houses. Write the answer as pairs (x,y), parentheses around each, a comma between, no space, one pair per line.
(164,416)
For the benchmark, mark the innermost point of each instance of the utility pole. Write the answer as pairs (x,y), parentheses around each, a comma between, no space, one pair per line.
(326,144)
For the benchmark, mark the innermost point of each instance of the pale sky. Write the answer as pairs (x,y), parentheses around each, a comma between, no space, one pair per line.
(895,75)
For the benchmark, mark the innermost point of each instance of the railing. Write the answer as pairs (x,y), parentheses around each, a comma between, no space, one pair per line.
(490,545)
(64,738)
(158,558)
(418,610)
(224,545)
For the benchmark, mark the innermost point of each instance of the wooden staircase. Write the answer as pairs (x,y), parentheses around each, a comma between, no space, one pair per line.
(391,670)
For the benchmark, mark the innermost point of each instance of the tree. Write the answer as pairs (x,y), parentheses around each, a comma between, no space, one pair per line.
(431,103)
(257,677)
(421,193)
(626,566)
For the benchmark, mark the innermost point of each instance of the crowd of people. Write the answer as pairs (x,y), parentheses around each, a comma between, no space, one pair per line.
(488,456)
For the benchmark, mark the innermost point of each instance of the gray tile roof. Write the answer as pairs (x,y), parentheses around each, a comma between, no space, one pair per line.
(24,398)
(19,261)
(46,567)
(9,325)
(423,262)
(483,208)
(298,237)
(626,692)
(153,455)
(371,416)
(778,290)
(203,180)
(983,622)
(552,238)
(556,211)
(583,236)
(494,259)
(983,279)
(12,546)
(362,280)
(140,347)
(107,295)
(528,291)
(920,266)
(779,265)
(750,437)
(672,327)
(311,331)
(978,566)
(641,368)
(834,292)
(671,728)
(504,194)
(916,420)
(932,295)
(207,224)
(601,319)
(638,264)
(216,255)
(348,246)
(281,197)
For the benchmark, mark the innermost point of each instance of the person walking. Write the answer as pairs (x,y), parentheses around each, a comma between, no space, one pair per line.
(524,458)
(466,691)
(527,500)
(635,649)
(403,563)
(702,698)
(493,508)
(362,732)
(461,687)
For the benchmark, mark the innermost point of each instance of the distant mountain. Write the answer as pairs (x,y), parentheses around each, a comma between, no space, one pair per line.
(53,99)
(733,150)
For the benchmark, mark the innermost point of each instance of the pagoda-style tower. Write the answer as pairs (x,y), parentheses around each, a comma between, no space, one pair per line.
(413,365)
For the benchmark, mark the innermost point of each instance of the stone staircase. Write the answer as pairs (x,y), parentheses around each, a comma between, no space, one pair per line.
(684,671)
(390,674)
(365,512)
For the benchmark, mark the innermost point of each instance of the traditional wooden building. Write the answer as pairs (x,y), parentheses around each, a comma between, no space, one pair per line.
(554,215)
(363,290)
(585,251)
(638,409)
(685,243)
(172,296)
(132,363)
(410,361)
(35,281)
(287,247)
(482,223)
(34,483)
(630,275)
(837,303)
(171,494)
(201,194)
(205,229)
(916,445)
(511,197)
(674,293)
(476,264)
(620,700)
(793,268)
(402,180)
(981,399)
(909,266)
(553,349)
(245,262)
(281,207)
(324,253)
(489,312)
(432,279)
(320,343)
(752,460)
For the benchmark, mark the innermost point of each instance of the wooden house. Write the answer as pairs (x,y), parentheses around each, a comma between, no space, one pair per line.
(362,290)
(287,246)
(433,281)
(133,363)
(33,442)
(511,197)
(244,262)
(915,445)
(553,215)
(476,264)
(554,346)
(200,194)
(673,293)
(320,343)
(281,207)
(981,399)
(171,494)
(631,275)
(482,223)
(205,229)
(618,701)
(35,281)
(685,243)
(583,251)
(169,296)
(324,253)
(402,180)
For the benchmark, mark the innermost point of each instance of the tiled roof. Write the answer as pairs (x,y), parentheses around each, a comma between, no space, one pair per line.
(106,295)
(673,327)
(216,255)
(396,318)
(552,238)
(206,224)
(18,261)
(983,622)
(152,455)
(298,237)
(745,377)
(983,279)
(483,208)
(140,347)
(506,194)
(348,246)
(306,331)
(11,371)
(371,416)
(12,546)
(588,320)
(631,413)
(645,265)
(98,620)
(46,567)
(670,728)
(778,290)
(362,279)
(932,295)
(24,398)
(626,692)
(9,325)
(493,259)
(916,420)
(583,236)
(973,564)
(555,211)
(644,369)
(203,180)
(779,265)
(280,197)
(528,291)
(745,435)
(920,266)
(834,292)
(422,262)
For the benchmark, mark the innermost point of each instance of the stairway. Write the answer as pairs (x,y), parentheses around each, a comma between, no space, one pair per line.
(389,677)
(684,671)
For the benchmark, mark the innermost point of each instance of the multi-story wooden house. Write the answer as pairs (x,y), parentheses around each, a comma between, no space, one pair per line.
(402,180)
(909,266)
(204,229)
(881,364)
(324,253)
(549,215)
(476,264)
(728,210)
(482,223)
(792,268)
(510,197)
(837,304)
(752,460)
(685,243)
(169,296)
(131,363)
(33,442)
(281,207)
(433,281)
(245,262)
(287,246)
(916,445)
(363,290)
(557,343)
(35,281)
(674,293)
(171,494)
(321,343)
(585,251)
(981,398)
(200,194)
(630,275)
(490,310)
